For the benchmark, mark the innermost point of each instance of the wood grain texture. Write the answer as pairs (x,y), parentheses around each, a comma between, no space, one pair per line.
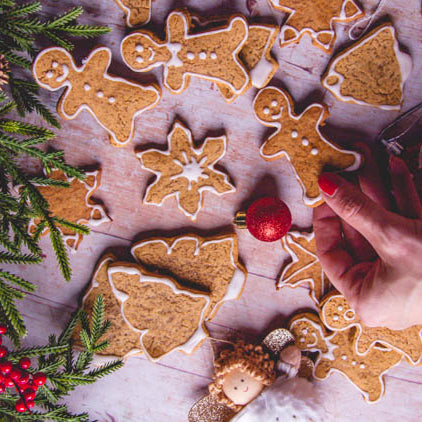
(165,391)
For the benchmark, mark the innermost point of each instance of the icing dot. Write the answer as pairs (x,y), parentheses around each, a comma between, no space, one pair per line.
(87,87)
(213,55)
(362,366)
(335,318)
(139,59)
(305,142)
(202,55)
(54,64)
(294,134)
(340,308)
(305,331)
(344,357)
(190,55)
(111,100)
(266,110)
(274,103)
(302,340)
(100,94)
(314,151)
(139,48)
(49,74)
(353,363)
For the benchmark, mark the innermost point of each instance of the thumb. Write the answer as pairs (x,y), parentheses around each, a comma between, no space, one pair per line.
(354,207)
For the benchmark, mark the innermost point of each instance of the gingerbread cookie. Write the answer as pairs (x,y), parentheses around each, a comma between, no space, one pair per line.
(73,204)
(337,315)
(304,266)
(370,72)
(205,264)
(316,18)
(137,12)
(123,341)
(337,353)
(114,102)
(212,55)
(299,139)
(185,171)
(166,317)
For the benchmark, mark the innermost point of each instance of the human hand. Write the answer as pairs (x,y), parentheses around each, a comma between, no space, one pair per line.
(372,255)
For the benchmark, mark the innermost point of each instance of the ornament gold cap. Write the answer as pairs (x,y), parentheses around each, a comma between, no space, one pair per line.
(240,220)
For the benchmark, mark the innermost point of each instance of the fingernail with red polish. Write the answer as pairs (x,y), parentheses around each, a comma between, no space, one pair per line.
(328,183)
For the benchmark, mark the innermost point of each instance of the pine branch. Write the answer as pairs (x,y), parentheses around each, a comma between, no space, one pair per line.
(10,310)
(36,351)
(66,18)
(24,10)
(77,228)
(13,258)
(43,181)
(18,281)
(106,369)
(22,128)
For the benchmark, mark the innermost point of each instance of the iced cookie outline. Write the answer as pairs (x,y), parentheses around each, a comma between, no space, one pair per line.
(194,341)
(403,59)
(235,286)
(367,337)
(273,107)
(102,57)
(171,52)
(73,240)
(328,33)
(185,167)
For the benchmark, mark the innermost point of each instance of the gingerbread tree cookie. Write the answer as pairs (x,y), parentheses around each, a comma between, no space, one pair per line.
(211,55)
(73,204)
(206,264)
(123,341)
(299,139)
(370,72)
(166,317)
(316,18)
(138,12)
(337,353)
(114,102)
(184,171)
(337,315)
(304,267)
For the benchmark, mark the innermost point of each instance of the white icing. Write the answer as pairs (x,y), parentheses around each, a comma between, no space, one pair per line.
(274,103)
(190,55)
(335,318)
(87,87)
(295,133)
(128,11)
(195,37)
(174,48)
(266,110)
(111,100)
(344,357)
(100,94)
(63,77)
(151,54)
(191,170)
(235,286)
(305,142)
(54,64)
(285,281)
(339,308)
(139,48)
(195,152)
(307,200)
(213,55)
(105,75)
(353,363)
(197,337)
(314,151)
(403,59)
(139,59)
(362,366)
(49,74)
(202,55)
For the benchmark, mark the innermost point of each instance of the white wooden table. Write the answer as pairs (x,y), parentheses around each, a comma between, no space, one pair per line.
(165,391)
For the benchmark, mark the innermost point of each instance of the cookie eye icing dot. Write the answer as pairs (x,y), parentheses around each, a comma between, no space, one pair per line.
(305,142)
(354,363)
(213,55)
(111,100)
(100,94)
(190,55)
(340,308)
(139,48)
(314,151)
(54,64)
(266,110)
(202,55)
(362,366)
(344,357)
(335,318)
(87,87)
(49,74)
(274,103)
(139,59)
(294,134)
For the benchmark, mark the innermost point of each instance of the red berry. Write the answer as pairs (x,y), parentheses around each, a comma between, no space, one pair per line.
(3,351)
(1,339)
(30,404)
(25,363)
(8,381)
(268,219)
(24,379)
(39,378)
(1,377)
(15,374)
(2,388)
(29,394)
(20,406)
(5,367)
(3,329)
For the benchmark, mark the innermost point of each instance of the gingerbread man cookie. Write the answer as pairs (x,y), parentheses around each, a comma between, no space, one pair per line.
(316,18)
(211,55)
(166,317)
(299,139)
(337,315)
(138,12)
(371,72)
(114,102)
(185,171)
(305,266)
(336,353)
(73,204)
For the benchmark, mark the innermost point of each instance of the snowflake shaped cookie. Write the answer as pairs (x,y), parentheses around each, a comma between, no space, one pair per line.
(184,171)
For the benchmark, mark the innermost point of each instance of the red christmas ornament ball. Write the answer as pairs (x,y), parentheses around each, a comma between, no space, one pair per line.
(268,219)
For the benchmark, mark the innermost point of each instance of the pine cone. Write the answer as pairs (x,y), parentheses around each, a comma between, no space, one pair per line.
(4,69)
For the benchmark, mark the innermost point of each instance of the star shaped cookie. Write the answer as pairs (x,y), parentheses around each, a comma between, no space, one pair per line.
(298,138)
(305,266)
(185,171)
(73,204)
(316,18)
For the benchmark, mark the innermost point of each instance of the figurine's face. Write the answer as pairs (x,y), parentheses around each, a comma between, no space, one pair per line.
(270,104)
(53,68)
(240,387)
(140,51)
(338,314)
